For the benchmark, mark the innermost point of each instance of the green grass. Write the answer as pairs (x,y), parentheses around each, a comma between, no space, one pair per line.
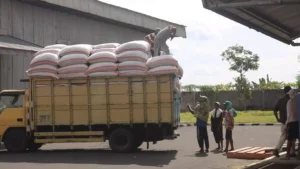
(242,117)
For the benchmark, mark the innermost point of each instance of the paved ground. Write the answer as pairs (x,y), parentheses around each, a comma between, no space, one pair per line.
(176,154)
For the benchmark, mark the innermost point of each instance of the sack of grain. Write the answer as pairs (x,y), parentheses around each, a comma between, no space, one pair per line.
(102,57)
(141,45)
(164,60)
(102,67)
(44,75)
(132,65)
(79,68)
(42,68)
(76,49)
(44,59)
(163,70)
(132,56)
(106,45)
(103,50)
(52,51)
(72,59)
(180,71)
(56,46)
(103,74)
(72,75)
(132,73)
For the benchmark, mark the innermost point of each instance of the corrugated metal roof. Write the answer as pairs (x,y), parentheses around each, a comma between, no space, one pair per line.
(9,42)
(113,13)
(279,19)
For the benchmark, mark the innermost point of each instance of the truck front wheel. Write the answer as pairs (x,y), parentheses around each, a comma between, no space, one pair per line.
(121,140)
(15,140)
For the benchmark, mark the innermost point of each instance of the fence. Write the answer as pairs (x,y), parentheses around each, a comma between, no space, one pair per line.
(261,100)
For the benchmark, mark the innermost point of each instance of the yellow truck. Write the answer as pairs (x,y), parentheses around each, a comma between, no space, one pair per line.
(126,111)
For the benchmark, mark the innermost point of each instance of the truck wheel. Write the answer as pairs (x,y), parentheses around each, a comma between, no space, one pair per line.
(15,140)
(121,140)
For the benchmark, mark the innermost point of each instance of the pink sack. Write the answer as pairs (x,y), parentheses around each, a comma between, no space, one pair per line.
(72,75)
(44,59)
(163,70)
(132,73)
(141,45)
(103,74)
(76,49)
(106,45)
(104,50)
(132,56)
(42,68)
(102,67)
(56,46)
(53,51)
(132,65)
(164,60)
(72,59)
(43,75)
(80,68)
(102,57)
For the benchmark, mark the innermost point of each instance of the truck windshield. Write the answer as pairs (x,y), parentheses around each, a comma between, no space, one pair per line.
(11,101)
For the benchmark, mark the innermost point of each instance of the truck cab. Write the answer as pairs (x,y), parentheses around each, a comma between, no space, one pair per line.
(14,109)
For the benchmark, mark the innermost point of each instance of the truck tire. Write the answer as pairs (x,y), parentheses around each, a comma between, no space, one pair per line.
(121,140)
(15,140)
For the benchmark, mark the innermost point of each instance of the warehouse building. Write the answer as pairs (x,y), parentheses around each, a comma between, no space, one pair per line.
(28,25)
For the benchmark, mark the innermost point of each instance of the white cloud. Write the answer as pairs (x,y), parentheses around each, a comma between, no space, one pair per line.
(208,34)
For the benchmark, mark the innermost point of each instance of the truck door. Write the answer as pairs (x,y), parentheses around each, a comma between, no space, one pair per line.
(12,112)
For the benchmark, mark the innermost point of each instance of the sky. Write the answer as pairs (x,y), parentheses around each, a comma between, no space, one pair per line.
(208,35)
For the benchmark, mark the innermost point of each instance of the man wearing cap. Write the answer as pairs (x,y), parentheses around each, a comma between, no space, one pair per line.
(201,112)
(160,40)
(150,39)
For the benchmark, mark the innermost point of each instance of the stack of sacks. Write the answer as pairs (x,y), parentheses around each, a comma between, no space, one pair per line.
(45,62)
(132,57)
(106,47)
(73,61)
(164,64)
(102,64)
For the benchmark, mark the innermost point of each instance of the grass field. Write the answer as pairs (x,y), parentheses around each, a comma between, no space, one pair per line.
(242,117)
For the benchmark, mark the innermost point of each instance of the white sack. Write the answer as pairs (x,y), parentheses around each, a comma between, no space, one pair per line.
(53,51)
(103,74)
(180,71)
(132,73)
(141,45)
(164,60)
(102,57)
(56,46)
(106,45)
(80,68)
(132,56)
(76,49)
(102,67)
(132,65)
(72,59)
(163,70)
(44,59)
(72,75)
(42,68)
(43,75)
(103,50)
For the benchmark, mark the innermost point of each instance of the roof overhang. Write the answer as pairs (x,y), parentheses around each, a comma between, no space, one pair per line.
(11,92)
(110,13)
(279,19)
(13,46)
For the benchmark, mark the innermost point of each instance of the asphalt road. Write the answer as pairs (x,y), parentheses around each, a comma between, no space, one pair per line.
(177,154)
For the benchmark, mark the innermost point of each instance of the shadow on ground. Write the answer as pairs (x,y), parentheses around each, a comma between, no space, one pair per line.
(92,156)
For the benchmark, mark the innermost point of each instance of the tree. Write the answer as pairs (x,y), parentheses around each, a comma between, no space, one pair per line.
(298,81)
(267,84)
(241,61)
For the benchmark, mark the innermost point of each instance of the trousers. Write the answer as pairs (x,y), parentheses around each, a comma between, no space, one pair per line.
(160,44)
(202,137)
